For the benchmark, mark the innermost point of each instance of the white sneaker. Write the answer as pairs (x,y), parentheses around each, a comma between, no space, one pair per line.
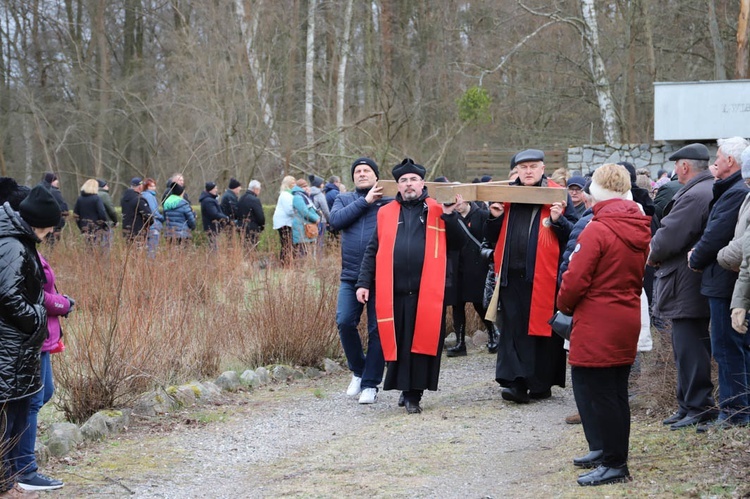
(368,396)
(354,387)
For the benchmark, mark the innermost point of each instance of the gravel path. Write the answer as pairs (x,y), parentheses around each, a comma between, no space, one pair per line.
(309,439)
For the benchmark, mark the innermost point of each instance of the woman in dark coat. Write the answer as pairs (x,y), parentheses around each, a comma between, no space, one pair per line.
(602,290)
(23,317)
(90,214)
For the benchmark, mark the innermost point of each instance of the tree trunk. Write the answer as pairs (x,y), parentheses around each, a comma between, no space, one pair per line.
(602,86)
(99,32)
(249,29)
(720,72)
(341,80)
(740,71)
(309,87)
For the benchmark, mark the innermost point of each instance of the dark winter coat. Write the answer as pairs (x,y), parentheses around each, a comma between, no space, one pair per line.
(573,240)
(23,317)
(603,283)
(250,213)
(136,215)
(60,201)
(211,213)
(179,219)
(356,219)
(90,213)
(472,268)
(677,288)
(663,196)
(716,281)
(332,191)
(230,206)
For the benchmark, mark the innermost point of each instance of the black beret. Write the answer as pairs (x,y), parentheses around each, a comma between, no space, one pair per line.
(529,155)
(485,178)
(691,151)
(408,166)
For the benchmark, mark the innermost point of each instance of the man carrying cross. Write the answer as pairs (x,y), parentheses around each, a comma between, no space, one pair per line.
(406,262)
(528,240)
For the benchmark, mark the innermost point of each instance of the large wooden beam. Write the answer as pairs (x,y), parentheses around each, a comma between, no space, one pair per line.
(488,191)
(495,191)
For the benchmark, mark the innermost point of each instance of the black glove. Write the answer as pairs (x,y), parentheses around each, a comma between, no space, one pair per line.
(487,252)
(72,304)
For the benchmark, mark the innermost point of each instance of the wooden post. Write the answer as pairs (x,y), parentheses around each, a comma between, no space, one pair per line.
(488,191)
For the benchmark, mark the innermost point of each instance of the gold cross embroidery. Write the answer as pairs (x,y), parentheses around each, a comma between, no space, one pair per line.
(438,230)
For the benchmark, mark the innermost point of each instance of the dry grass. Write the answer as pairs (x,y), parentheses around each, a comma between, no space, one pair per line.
(142,322)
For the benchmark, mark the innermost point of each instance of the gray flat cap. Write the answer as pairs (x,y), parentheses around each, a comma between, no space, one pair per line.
(529,155)
(691,151)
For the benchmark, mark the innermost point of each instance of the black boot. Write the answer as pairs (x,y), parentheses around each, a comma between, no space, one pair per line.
(460,349)
(493,336)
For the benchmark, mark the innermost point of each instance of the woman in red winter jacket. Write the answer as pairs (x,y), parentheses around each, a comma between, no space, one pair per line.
(602,290)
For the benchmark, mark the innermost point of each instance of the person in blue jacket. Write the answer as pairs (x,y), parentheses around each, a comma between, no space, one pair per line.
(179,217)
(354,214)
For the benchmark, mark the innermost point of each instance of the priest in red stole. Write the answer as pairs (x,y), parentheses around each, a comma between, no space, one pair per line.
(528,240)
(405,267)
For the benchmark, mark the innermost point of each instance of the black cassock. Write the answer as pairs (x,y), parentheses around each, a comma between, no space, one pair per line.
(410,371)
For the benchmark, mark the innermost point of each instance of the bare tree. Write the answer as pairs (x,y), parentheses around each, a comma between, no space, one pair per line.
(309,75)
(742,44)
(720,72)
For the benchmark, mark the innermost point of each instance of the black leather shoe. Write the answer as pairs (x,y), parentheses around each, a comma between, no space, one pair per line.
(401,400)
(412,407)
(604,475)
(686,422)
(674,418)
(540,395)
(590,460)
(456,351)
(515,394)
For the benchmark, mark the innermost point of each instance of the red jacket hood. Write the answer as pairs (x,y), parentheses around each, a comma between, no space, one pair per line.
(625,217)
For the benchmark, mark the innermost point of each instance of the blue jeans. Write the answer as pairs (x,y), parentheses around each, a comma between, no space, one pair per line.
(13,419)
(24,460)
(348,312)
(152,241)
(732,353)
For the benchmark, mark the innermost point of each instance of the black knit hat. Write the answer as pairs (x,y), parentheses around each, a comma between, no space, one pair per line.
(50,177)
(40,209)
(408,166)
(102,183)
(210,186)
(234,183)
(315,181)
(368,162)
(631,170)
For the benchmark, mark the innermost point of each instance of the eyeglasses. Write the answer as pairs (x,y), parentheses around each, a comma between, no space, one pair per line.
(409,180)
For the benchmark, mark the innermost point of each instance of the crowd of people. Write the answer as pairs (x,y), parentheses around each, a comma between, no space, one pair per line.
(616,254)
(621,253)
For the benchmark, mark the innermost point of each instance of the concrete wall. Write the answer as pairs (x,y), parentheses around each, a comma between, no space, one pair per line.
(652,156)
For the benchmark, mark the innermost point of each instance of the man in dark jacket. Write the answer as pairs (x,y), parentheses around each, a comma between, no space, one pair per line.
(250,214)
(211,215)
(230,200)
(354,214)
(136,214)
(530,358)
(677,296)
(717,284)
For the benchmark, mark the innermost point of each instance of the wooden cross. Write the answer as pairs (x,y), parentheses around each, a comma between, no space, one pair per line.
(487,191)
